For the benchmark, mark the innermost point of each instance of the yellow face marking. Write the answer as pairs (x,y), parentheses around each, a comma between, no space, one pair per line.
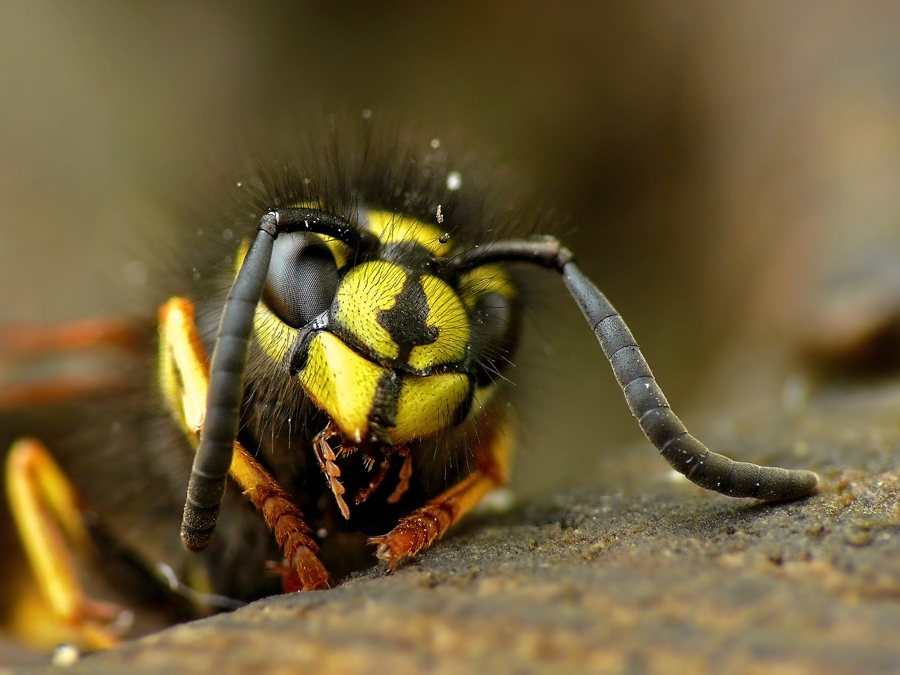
(366,290)
(427,404)
(274,336)
(447,314)
(391,228)
(342,383)
(339,250)
(483,280)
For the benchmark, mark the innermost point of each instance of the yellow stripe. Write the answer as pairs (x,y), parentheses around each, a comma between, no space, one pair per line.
(427,404)
(342,383)
(393,228)
(366,290)
(447,314)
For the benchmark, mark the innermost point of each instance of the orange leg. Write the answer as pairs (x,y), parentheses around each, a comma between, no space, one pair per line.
(44,364)
(294,536)
(419,530)
(35,339)
(184,378)
(383,467)
(49,522)
(326,458)
(405,475)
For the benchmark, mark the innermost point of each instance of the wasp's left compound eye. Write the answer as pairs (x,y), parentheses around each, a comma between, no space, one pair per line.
(302,278)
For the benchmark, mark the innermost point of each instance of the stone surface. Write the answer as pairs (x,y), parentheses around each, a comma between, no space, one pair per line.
(664,578)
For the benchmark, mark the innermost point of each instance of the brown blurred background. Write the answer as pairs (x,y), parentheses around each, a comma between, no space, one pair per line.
(712,162)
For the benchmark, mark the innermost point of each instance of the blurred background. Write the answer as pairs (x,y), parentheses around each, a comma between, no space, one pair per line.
(714,165)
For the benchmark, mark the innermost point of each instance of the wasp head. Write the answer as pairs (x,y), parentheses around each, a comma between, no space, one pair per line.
(381,340)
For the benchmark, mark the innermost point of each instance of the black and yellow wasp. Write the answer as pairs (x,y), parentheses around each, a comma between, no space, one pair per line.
(352,404)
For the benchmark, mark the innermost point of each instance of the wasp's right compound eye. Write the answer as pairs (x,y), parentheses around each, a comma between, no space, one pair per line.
(302,278)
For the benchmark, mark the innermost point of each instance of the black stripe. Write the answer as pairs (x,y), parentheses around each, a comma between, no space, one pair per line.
(406,321)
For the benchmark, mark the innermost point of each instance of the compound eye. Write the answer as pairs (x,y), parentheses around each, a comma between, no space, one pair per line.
(495,332)
(302,278)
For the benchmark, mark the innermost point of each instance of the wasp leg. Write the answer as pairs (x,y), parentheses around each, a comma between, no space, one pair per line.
(51,527)
(383,467)
(424,526)
(304,571)
(326,457)
(405,474)
(184,378)
(44,364)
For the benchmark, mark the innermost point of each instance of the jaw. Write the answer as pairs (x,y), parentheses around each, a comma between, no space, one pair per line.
(377,460)
(370,403)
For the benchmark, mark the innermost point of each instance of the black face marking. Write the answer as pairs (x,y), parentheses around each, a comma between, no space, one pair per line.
(384,407)
(299,351)
(406,321)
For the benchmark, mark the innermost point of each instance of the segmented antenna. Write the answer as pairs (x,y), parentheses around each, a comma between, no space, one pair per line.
(662,427)
(648,404)
(223,400)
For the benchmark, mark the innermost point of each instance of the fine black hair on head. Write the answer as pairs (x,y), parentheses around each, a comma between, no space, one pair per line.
(338,164)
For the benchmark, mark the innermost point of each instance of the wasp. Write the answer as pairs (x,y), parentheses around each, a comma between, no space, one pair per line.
(335,397)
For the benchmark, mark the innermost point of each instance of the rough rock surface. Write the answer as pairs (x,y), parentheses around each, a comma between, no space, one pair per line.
(663,577)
